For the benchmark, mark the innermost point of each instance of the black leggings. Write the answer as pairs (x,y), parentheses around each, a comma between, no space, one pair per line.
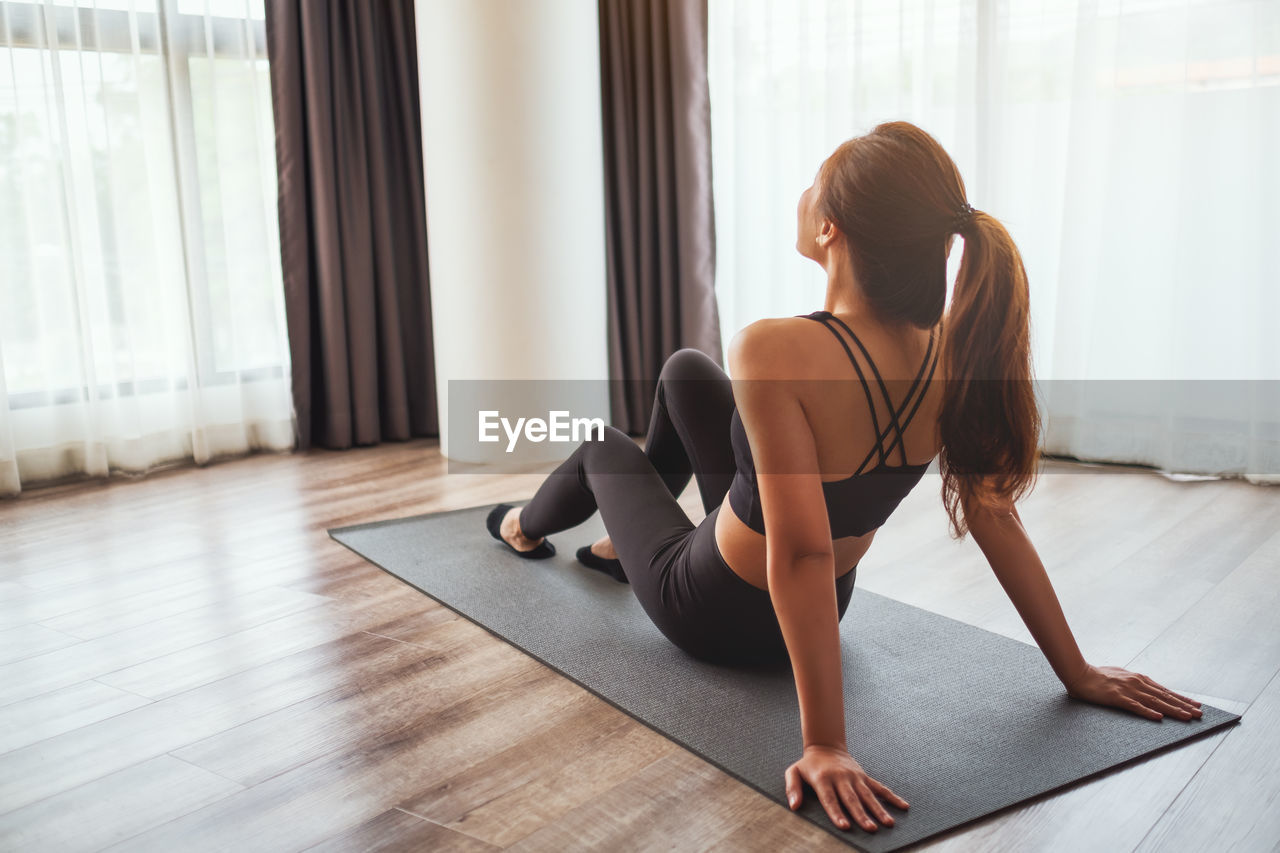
(673,565)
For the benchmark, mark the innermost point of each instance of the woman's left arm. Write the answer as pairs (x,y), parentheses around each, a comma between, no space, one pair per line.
(1020,571)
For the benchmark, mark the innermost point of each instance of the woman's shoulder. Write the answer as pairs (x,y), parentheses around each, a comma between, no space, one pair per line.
(766,347)
(769,347)
(772,328)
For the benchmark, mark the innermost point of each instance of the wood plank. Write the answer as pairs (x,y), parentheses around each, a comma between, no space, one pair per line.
(106,547)
(197,665)
(51,714)
(26,641)
(335,792)
(678,799)
(396,830)
(1227,643)
(517,791)
(92,658)
(1145,594)
(11,589)
(1233,803)
(223,583)
(453,668)
(156,583)
(57,764)
(114,808)
(772,827)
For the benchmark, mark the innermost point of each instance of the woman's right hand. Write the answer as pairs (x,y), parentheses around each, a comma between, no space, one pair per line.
(837,778)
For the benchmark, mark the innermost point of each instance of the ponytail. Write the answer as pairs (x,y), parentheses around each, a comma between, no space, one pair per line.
(897,197)
(989,423)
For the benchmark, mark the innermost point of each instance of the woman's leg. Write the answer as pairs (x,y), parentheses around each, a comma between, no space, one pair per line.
(689,430)
(645,521)
(635,491)
(689,427)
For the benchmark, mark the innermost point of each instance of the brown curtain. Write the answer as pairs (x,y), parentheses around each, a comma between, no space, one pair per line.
(353,237)
(659,220)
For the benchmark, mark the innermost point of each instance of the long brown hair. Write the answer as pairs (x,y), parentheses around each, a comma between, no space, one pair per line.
(894,194)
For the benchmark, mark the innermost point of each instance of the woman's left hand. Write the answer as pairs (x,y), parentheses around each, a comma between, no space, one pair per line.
(1111,685)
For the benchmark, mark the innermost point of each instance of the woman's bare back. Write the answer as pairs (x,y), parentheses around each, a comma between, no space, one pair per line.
(843,430)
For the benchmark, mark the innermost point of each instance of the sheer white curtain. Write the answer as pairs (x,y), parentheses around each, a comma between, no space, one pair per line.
(1129,147)
(141,304)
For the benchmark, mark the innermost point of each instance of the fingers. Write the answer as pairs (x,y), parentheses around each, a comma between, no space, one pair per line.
(883,790)
(1168,705)
(794,792)
(845,788)
(1190,704)
(827,796)
(852,802)
(872,802)
(1140,709)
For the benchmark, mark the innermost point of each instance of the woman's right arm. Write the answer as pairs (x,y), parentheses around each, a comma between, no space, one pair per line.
(800,571)
(803,592)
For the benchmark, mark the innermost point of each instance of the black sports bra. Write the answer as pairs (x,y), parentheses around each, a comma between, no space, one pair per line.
(863,501)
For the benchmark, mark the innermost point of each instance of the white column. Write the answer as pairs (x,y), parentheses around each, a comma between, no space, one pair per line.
(513,162)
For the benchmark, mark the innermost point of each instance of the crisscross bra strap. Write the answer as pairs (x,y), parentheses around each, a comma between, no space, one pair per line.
(871,404)
(914,408)
(894,415)
(888,401)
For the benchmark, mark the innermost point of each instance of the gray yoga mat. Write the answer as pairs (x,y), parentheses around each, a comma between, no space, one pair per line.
(959,721)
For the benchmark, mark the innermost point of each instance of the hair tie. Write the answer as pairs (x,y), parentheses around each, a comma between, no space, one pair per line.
(963,214)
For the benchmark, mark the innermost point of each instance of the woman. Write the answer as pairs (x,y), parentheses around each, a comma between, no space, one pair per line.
(776,445)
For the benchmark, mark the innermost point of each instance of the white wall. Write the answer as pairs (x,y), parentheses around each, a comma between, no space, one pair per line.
(513,160)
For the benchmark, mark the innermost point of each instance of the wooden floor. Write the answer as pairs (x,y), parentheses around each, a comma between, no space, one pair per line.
(188,662)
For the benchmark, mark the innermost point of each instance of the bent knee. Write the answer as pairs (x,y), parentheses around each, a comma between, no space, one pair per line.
(688,363)
(615,453)
(613,435)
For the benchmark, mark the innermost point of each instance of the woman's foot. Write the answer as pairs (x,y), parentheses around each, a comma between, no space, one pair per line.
(604,548)
(601,556)
(512,534)
(503,524)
